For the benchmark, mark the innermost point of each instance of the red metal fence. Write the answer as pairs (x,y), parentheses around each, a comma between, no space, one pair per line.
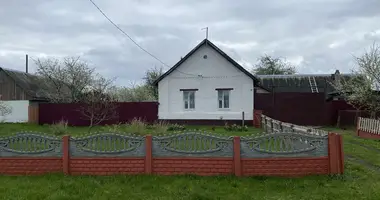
(124,112)
(300,108)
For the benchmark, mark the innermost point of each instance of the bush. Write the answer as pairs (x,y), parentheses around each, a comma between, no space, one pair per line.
(176,127)
(160,128)
(235,127)
(59,128)
(114,128)
(150,126)
(137,126)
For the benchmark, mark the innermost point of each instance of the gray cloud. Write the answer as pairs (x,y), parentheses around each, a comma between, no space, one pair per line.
(318,35)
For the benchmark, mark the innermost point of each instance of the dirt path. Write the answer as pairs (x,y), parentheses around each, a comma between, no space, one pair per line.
(363,162)
(364,146)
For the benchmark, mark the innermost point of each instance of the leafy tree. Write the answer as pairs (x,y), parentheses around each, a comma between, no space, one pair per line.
(362,90)
(268,65)
(133,93)
(152,75)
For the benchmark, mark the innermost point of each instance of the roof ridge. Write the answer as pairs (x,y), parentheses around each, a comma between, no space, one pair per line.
(218,50)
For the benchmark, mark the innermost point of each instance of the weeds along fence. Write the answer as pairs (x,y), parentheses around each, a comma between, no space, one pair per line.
(274,126)
(368,128)
(191,152)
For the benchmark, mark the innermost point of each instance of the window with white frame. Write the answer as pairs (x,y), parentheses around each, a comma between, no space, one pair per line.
(189,99)
(224,98)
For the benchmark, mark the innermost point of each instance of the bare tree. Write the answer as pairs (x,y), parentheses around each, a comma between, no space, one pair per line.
(97,104)
(362,90)
(66,80)
(52,76)
(73,81)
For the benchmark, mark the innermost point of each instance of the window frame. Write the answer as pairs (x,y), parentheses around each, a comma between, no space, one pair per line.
(188,99)
(224,92)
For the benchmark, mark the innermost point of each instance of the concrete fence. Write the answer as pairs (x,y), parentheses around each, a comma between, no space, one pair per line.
(276,154)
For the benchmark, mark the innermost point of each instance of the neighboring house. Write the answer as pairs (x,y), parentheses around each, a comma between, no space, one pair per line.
(16,85)
(206,87)
(302,83)
(19,90)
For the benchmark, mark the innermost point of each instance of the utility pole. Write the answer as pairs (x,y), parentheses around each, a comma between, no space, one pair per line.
(206,31)
(26,63)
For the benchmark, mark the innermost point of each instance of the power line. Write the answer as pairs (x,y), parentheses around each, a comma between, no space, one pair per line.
(130,38)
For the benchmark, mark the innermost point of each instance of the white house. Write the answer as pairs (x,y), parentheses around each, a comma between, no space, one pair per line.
(206,86)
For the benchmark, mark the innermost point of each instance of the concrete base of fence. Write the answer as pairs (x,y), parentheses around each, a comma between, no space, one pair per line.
(236,164)
(30,165)
(364,134)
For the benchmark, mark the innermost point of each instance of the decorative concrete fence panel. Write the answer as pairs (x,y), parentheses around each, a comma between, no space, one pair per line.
(193,152)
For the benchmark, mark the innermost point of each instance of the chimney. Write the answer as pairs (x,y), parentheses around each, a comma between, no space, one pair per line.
(26,63)
(336,76)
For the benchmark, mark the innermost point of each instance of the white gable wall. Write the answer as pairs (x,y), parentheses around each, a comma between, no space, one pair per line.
(19,114)
(206,98)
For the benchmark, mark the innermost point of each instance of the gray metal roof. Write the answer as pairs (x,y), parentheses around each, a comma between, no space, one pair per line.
(299,82)
(33,85)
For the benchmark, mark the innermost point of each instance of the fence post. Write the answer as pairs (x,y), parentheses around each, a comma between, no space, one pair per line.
(335,153)
(148,154)
(66,154)
(237,158)
(242,122)
(271,125)
(357,126)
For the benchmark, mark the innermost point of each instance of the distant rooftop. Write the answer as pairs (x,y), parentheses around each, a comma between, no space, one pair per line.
(298,75)
(301,82)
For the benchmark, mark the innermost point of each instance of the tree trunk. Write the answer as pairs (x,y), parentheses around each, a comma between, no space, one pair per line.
(373,114)
(356,117)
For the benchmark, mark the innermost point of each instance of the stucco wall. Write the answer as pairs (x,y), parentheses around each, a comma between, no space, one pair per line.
(217,72)
(19,112)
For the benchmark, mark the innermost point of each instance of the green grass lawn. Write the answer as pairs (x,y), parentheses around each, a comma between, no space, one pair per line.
(360,181)
(10,129)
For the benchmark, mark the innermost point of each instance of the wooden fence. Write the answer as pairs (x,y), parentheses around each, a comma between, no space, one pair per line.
(368,128)
(272,126)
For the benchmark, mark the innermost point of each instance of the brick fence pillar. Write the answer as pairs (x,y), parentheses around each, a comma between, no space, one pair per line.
(148,154)
(237,158)
(336,155)
(66,154)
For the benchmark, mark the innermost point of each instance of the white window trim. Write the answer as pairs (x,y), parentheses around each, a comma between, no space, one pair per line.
(188,100)
(229,99)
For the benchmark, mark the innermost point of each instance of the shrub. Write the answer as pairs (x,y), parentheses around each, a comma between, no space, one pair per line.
(160,128)
(150,126)
(114,128)
(235,127)
(59,128)
(176,127)
(137,126)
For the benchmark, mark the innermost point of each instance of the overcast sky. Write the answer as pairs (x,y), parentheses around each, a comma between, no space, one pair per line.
(318,36)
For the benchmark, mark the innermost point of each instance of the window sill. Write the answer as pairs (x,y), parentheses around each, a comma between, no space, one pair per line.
(188,110)
(224,109)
